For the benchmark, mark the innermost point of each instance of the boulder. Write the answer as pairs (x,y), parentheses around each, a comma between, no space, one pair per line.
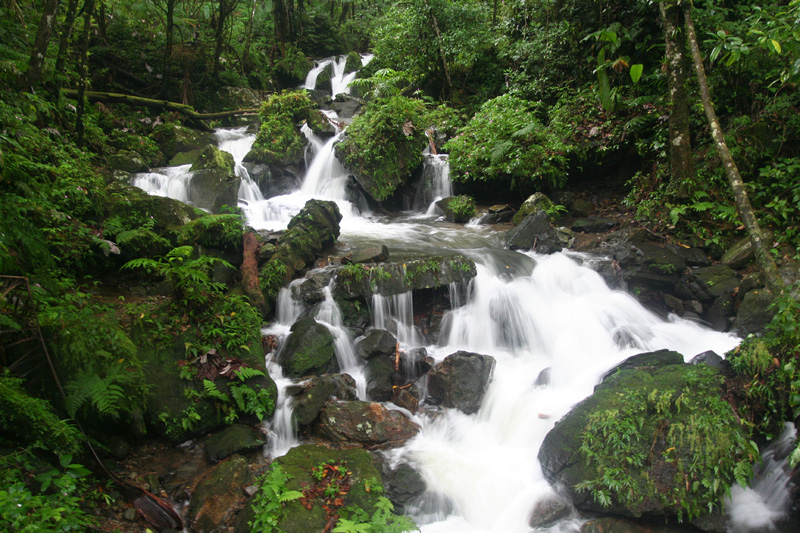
(739,254)
(313,394)
(219,495)
(128,161)
(236,439)
(403,484)
(308,350)
(706,284)
(626,525)
(376,342)
(549,511)
(461,381)
(346,106)
(754,312)
(535,203)
(131,205)
(593,225)
(536,233)
(214,183)
(377,253)
(498,214)
(365,423)
(380,373)
(632,447)
(458,209)
(173,139)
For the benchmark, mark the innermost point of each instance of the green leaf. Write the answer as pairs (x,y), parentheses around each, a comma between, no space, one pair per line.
(776,46)
(636,72)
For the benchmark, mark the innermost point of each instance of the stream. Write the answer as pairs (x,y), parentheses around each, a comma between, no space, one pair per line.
(530,312)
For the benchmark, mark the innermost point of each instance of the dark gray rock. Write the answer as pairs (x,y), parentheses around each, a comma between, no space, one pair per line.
(218,495)
(308,350)
(403,484)
(371,254)
(498,214)
(311,396)
(214,183)
(711,359)
(547,512)
(754,312)
(739,254)
(461,381)
(694,257)
(720,313)
(237,438)
(593,225)
(534,203)
(128,161)
(537,233)
(707,284)
(380,372)
(376,342)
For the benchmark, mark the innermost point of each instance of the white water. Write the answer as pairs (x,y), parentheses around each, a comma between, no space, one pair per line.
(767,499)
(173,182)
(340,81)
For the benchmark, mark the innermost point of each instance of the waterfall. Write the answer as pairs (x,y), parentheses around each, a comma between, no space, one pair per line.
(238,142)
(172,182)
(482,469)
(435,183)
(396,314)
(313,74)
(340,82)
(767,499)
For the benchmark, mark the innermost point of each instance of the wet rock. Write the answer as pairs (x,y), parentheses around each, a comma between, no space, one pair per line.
(694,257)
(720,313)
(461,381)
(403,484)
(754,312)
(593,225)
(708,283)
(376,342)
(185,158)
(236,439)
(415,363)
(317,391)
(346,106)
(458,209)
(365,423)
(648,362)
(173,139)
(380,373)
(632,394)
(217,496)
(214,183)
(407,397)
(308,350)
(739,254)
(544,377)
(711,359)
(626,525)
(371,254)
(128,161)
(536,233)
(498,214)
(547,512)
(535,203)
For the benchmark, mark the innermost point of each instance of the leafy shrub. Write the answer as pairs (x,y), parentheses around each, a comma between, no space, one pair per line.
(25,510)
(463,207)
(505,141)
(223,232)
(30,420)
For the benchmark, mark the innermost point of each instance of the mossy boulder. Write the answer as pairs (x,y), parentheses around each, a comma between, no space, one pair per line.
(219,494)
(365,484)
(214,183)
(237,438)
(535,202)
(173,138)
(314,393)
(128,161)
(707,284)
(279,141)
(655,439)
(308,350)
(384,145)
(458,209)
(366,424)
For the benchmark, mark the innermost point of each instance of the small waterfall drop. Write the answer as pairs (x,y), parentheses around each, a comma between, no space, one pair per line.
(435,183)
(238,142)
(396,314)
(172,182)
(313,74)
(768,498)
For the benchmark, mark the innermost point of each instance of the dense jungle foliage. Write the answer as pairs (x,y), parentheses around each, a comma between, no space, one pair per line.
(529,95)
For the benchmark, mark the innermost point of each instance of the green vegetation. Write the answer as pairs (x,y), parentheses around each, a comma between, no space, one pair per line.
(505,142)
(278,139)
(674,446)
(463,207)
(223,232)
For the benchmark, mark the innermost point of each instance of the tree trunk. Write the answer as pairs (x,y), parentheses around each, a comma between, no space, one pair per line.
(36,61)
(250,282)
(439,41)
(170,37)
(746,213)
(83,70)
(63,45)
(248,36)
(681,162)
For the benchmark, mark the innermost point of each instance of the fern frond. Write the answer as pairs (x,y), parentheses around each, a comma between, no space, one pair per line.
(247,372)
(499,150)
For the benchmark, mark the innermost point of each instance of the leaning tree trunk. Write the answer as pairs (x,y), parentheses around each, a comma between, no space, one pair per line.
(765,261)
(440,43)
(36,61)
(681,162)
(63,45)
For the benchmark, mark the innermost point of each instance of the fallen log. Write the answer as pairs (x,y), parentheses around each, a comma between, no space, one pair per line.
(187,110)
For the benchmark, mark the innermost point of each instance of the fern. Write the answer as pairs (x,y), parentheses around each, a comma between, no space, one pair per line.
(247,372)
(105,394)
(213,392)
(499,150)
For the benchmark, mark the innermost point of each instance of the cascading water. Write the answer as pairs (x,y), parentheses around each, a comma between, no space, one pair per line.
(173,182)
(435,183)
(531,313)
(340,81)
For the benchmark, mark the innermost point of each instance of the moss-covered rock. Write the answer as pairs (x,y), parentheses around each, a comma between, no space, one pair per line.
(308,350)
(279,140)
(365,423)
(655,440)
(384,145)
(535,202)
(314,393)
(128,161)
(237,438)
(173,138)
(219,494)
(459,209)
(214,183)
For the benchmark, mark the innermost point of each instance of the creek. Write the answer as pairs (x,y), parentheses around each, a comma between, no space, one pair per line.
(530,312)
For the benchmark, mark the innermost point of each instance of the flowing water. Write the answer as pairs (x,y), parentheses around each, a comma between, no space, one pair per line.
(532,313)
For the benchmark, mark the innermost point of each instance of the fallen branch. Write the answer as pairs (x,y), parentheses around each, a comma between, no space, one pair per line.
(117,98)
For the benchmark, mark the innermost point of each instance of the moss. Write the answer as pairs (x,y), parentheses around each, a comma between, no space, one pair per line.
(212,158)
(278,139)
